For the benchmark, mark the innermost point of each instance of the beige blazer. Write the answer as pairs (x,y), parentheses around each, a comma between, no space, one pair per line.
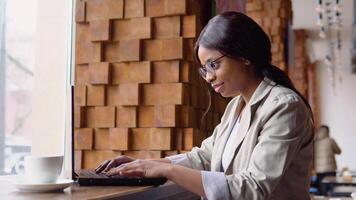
(272,157)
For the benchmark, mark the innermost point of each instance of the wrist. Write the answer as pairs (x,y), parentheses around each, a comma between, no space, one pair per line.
(168,171)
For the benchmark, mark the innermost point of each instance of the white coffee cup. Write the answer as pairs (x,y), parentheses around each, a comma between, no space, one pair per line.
(41,169)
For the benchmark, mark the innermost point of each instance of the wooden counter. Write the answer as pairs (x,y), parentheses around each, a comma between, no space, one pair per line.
(169,191)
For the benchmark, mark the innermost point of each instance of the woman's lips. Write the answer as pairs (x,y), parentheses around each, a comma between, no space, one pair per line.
(218,87)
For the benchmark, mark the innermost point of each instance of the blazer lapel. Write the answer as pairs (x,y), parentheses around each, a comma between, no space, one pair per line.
(222,139)
(261,91)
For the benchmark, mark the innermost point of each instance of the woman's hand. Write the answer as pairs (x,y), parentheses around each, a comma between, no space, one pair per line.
(109,164)
(141,168)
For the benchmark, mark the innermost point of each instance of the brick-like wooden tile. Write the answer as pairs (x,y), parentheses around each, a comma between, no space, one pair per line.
(189,26)
(160,139)
(166,71)
(129,94)
(105,9)
(126,116)
(152,50)
(96,95)
(146,116)
(144,154)
(129,50)
(154,8)
(167,93)
(80,7)
(100,30)
(166,27)
(99,73)
(132,72)
(83,138)
(80,95)
(78,159)
(105,116)
(166,116)
(140,138)
(175,7)
(128,29)
(81,75)
(79,117)
(111,52)
(101,139)
(192,137)
(90,117)
(134,8)
(119,138)
(172,49)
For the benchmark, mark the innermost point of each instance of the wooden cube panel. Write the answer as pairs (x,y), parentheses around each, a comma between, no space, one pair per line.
(91,159)
(83,138)
(172,49)
(144,154)
(187,117)
(128,29)
(132,72)
(160,139)
(166,27)
(189,26)
(140,138)
(191,138)
(126,117)
(170,153)
(105,9)
(175,7)
(79,117)
(134,8)
(166,116)
(112,95)
(169,93)
(80,95)
(129,50)
(105,117)
(101,139)
(90,117)
(152,50)
(80,7)
(166,72)
(100,30)
(78,159)
(186,75)
(82,75)
(146,116)
(119,138)
(99,73)
(154,8)
(111,52)
(129,94)
(188,46)
(178,138)
(95,95)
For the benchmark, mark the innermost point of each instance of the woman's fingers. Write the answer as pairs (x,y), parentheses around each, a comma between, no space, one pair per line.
(102,166)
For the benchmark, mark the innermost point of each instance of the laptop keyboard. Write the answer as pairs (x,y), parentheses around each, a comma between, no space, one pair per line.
(92,174)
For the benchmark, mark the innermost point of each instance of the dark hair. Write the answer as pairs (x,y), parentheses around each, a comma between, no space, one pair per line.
(324,126)
(237,36)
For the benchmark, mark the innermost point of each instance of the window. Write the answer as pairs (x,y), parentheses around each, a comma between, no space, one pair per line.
(35,43)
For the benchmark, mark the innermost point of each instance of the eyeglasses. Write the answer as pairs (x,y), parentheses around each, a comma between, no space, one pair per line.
(210,66)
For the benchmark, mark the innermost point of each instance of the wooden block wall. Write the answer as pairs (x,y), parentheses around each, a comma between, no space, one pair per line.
(273,16)
(137,90)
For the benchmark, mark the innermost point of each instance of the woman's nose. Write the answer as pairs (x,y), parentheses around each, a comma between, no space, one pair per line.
(209,77)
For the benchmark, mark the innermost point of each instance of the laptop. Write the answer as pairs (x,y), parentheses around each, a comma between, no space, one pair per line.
(91,178)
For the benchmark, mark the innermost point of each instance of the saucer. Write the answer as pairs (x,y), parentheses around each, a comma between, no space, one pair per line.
(25,186)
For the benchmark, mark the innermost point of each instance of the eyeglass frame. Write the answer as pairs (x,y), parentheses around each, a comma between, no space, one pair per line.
(209,67)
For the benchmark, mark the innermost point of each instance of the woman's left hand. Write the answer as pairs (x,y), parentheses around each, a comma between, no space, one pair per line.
(141,168)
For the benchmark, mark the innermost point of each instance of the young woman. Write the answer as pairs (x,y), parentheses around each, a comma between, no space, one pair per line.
(262,149)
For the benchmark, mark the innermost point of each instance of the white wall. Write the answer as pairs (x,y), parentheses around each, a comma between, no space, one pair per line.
(338,111)
(50,78)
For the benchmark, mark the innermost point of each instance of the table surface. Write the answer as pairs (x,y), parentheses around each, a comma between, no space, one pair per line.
(168,190)
(339,180)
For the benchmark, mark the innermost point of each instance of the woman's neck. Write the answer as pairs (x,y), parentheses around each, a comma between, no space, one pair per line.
(250,89)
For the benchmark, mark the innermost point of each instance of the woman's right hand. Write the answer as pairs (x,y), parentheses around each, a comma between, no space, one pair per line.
(109,164)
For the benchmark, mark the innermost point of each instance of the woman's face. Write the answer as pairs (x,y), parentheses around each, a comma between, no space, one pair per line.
(231,76)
